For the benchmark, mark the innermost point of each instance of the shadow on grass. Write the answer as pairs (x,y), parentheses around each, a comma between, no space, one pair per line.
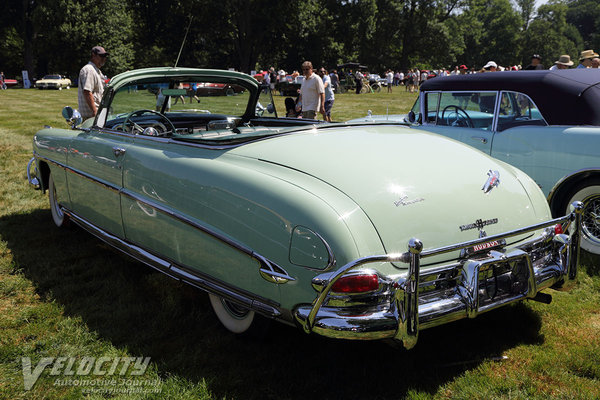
(133,307)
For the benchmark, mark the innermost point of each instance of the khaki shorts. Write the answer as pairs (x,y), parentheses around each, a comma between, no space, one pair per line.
(310,114)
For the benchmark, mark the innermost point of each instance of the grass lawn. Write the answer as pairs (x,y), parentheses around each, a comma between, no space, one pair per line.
(65,294)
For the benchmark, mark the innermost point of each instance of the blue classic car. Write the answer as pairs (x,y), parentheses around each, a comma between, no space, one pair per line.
(358,232)
(546,123)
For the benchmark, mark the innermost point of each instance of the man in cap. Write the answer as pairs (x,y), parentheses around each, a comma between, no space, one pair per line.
(585,60)
(564,62)
(91,83)
(536,60)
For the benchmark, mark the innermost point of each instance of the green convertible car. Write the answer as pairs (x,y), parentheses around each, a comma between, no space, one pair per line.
(355,231)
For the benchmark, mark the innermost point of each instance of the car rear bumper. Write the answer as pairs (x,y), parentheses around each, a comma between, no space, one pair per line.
(463,289)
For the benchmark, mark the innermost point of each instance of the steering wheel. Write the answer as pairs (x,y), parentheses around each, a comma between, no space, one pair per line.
(458,117)
(135,127)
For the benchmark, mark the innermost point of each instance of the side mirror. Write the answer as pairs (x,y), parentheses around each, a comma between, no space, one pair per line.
(270,108)
(72,116)
(411,117)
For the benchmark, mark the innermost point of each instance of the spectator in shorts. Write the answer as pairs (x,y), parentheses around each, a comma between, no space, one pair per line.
(329,95)
(312,93)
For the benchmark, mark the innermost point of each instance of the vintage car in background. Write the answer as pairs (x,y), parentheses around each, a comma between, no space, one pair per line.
(350,231)
(53,82)
(546,123)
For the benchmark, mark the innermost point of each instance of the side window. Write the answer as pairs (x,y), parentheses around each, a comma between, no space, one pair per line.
(517,109)
(431,103)
(467,109)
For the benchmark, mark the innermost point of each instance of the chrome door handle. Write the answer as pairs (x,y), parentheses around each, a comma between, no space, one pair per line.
(118,151)
(481,139)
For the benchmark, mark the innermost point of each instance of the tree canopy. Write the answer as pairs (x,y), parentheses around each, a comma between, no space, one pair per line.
(56,36)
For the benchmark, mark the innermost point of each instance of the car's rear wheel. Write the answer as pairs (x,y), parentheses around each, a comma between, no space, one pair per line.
(589,195)
(234,317)
(58,216)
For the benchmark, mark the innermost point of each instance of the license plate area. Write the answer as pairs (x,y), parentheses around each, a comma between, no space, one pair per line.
(496,280)
(503,280)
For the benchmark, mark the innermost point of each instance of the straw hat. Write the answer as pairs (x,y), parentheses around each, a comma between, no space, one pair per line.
(565,59)
(587,54)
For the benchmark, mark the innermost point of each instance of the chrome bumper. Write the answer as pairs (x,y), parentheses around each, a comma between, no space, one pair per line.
(474,285)
(32,177)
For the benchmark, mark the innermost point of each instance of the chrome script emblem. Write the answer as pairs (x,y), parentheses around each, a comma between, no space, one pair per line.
(493,180)
(404,201)
(479,224)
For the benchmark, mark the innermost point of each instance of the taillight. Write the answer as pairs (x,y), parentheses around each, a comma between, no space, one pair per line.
(356,283)
(558,229)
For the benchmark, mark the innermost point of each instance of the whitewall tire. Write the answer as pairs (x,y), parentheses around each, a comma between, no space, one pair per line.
(234,317)
(590,225)
(59,218)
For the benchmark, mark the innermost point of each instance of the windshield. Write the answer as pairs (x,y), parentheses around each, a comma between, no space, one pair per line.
(52,77)
(179,96)
(215,109)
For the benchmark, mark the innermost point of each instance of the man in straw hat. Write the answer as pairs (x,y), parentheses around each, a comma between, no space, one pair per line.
(585,60)
(564,62)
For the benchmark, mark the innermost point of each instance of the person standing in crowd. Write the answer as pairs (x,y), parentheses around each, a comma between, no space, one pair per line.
(329,95)
(358,77)
(312,93)
(91,83)
(335,80)
(564,62)
(272,79)
(400,78)
(390,80)
(491,66)
(595,63)
(585,60)
(2,82)
(536,63)
(463,69)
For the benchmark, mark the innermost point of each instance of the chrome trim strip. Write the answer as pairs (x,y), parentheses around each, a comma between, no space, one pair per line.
(265,263)
(81,174)
(180,272)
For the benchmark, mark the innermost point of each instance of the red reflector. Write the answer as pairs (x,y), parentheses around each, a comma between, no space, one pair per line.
(356,284)
(558,229)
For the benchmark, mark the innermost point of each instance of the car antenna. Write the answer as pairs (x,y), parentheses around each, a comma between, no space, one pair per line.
(184,38)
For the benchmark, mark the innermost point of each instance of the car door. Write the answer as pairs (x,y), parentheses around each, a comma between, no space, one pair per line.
(546,153)
(466,116)
(95,162)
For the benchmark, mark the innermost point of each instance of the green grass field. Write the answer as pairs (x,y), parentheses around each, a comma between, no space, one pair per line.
(63,293)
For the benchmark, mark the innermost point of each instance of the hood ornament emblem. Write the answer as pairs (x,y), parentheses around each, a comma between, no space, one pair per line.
(493,181)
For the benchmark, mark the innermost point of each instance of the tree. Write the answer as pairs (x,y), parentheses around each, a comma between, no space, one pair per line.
(550,35)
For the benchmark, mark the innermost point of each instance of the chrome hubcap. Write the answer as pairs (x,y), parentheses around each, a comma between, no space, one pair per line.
(591,218)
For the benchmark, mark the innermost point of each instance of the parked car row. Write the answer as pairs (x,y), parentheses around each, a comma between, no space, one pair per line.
(353,230)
